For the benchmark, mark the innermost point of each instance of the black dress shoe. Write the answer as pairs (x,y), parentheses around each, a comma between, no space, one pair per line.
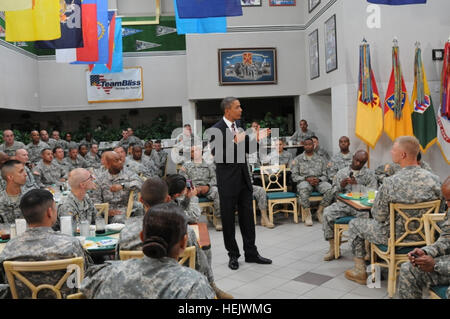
(233,263)
(258,259)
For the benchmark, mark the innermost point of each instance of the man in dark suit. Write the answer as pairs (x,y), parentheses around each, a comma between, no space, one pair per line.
(229,145)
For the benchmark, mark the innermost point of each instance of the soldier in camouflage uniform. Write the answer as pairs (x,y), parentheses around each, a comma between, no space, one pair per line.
(203,177)
(69,144)
(155,191)
(279,156)
(432,265)
(9,145)
(22,156)
(114,187)
(410,185)
(184,197)
(309,172)
(320,151)
(58,158)
(157,275)
(260,196)
(47,172)
(142,166)
(92,158)
(40,242)
(74,160)
(3,159)
(78,203)
(13,172)
(35,147)
(58,141)
(45,138)
(162,155)
(88,140)
(302,134)
(340,160)
(343,184)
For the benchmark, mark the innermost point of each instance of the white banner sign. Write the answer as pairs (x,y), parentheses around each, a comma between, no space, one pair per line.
(115,87)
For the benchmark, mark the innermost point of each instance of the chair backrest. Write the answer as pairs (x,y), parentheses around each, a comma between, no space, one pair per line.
(130,203)
(403,212)
(13,271)
(273,173)
(188,255)
(103,208)
(129,254)
(431,226)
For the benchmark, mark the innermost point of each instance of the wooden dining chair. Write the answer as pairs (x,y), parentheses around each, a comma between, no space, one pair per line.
(277,191)
(396,252)
(103,208)
(187,256)
(130,204)
(14,270)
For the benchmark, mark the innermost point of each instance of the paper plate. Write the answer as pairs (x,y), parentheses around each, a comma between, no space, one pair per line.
(115,227)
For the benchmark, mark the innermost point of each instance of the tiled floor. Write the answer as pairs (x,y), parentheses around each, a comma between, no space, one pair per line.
(298,270)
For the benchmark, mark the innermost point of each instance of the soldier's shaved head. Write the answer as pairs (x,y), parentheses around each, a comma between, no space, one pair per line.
(77,176)
(409,144)
(359,160)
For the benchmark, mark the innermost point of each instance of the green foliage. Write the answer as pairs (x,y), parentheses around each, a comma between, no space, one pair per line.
(160,128)
(269,121)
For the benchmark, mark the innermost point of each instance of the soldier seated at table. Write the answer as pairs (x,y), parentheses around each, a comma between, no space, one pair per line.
(278,156)
(74,160)
(302,134)
(356,173)
(432,264)
(10,145)
(92,158)
(35,147)
(155,191)
(13,172)
(319,150)
(203,177)
(78,204)
(47,172)
(390,169)
(40,243)
(22,156)
(157,275)
(162,158)
(340,160)
(114,187)
(410,185)
(58,158)
(141,165)
(309,172)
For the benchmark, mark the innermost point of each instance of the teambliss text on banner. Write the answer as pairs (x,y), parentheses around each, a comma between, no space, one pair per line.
(115,87)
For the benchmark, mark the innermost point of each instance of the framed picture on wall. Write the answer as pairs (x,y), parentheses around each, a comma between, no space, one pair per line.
(313,41)
(312,4)
(251,3)
(280,3)
(331,62)
(247,66)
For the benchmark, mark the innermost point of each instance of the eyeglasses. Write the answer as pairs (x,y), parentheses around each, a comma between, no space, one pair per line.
(89,178)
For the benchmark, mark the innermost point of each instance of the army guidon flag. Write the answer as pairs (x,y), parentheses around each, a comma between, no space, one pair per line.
(397,110)
(443,118)
(369,114)
(423,116)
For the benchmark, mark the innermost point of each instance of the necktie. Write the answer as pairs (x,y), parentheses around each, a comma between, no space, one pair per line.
(233,128)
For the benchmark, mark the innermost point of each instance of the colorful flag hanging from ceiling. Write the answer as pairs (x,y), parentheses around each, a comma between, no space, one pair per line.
(188,9)
(443,118)
(116,63)
(14,5)
(102,35)
(423,116)
(397,110)
(202,25)
(71,32)
(369,114)
(42,22)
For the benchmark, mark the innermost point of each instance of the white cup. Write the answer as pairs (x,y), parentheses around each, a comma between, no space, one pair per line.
(66,225)
(21,226)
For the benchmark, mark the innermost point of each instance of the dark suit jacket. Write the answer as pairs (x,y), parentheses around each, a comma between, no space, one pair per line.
(230,174)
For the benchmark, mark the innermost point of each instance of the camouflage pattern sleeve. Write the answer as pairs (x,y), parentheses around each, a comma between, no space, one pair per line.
(323,176)
(442,246)
(380,209)
(212,173)
(295,172)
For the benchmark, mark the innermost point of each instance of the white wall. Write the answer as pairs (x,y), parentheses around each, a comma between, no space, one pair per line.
(19,86)
(203,70)
(64,85)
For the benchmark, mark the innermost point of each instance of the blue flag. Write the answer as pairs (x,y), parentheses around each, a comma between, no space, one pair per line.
(203,25)
(208,8)
(117,61)
(397,2)
(71,32)
(102,31)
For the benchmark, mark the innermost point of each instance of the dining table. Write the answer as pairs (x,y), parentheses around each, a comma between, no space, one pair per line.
(360,204)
